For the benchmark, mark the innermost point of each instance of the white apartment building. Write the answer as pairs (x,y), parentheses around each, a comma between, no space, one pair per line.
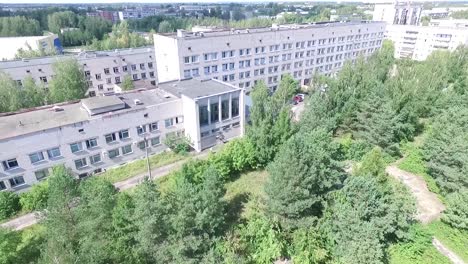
(103,69)
(418,42)
(244,56)
(136,13)
(96,133)
(398,13)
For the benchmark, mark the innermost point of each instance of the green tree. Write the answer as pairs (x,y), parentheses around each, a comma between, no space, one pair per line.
(366,216)
(165,27)
(61,221)
(304,171)
(33,94)
(10,99)
(151,218)
(69,82)
(17,26)
(198,215)
(127,83)
(97,200)
(309,246)
(9,204)
(59,20)
(124,230)
(456,213)
(36,198)
(9,242)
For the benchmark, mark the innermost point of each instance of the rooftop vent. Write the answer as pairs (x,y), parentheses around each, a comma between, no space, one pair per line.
(137,102)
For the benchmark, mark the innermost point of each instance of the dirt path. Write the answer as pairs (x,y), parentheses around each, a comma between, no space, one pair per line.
(447,252)
(30,219)
(428,204)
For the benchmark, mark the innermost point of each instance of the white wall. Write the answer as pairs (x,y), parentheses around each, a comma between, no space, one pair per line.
(167,58)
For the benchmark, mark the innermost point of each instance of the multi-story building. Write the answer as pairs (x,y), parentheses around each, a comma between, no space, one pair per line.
(11,45)
(112,16)
(129,14)
(418,42)
(398,13)
(103,69)
(96,133)
(243,57)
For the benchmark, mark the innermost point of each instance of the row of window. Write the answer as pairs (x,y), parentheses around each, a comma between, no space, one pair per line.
(133,67)
(277,47)
(212,115)
(14,182)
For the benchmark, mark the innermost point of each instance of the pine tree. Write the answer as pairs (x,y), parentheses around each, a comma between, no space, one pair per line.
(304,171)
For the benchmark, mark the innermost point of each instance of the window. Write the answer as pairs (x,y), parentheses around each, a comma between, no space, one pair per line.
(135,76)
(10,164)
(225,109)
(187,60)
(141,129)
(124,68)
(75,147)
(114,153)
(235,107)
(150,65)
(116,69)
(127,149)
(2,186)
(43,79)
(106,71)
(41,174)
(142,66)
(154,126)
(80,163)
(98,76)
(108,80)
(16,181)
(179,120)
(133,67)
(155,141)
(143,75)
(168,122)
(91,143)
(123,134)
(54,153)
(214,112)
(117,79)
(110,137)
(95,159)
(203,115)
(36,157)
(100,87)
(142,144)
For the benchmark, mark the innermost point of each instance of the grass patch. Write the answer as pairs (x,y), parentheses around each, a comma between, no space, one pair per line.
(139,166)
(413,162)
(416,249)
(244,193)
(453,238)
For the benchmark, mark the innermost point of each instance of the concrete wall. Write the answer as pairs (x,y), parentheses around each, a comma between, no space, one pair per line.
(166,51)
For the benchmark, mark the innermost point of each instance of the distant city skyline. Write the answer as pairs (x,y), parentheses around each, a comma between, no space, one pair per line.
(185,1)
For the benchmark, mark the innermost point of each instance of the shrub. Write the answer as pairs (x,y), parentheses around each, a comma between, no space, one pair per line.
(456,214)
(178,144)
(9,204)
(36,197)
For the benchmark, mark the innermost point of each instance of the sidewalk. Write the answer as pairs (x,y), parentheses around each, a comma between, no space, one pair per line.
(32,218)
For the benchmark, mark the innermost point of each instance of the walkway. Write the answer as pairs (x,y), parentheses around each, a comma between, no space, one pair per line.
(30,219)
(428,204)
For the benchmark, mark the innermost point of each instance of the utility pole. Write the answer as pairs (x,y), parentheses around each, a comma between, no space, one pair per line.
(147,159)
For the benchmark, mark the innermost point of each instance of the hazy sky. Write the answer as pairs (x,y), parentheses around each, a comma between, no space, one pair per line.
(166,1)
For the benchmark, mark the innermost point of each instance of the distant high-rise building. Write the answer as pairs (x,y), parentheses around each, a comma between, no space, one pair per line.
(398,13)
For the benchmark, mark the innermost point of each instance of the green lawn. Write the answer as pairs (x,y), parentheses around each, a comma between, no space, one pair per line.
(413,162)
(139,166)
(244,193)
(454,239)
(428,255)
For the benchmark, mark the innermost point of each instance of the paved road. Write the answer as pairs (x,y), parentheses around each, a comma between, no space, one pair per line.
(297,110)
(30,219)
(428,204)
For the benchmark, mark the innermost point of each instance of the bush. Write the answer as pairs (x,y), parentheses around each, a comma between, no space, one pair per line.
(456,214)
(35,198)
(9,204)
(178,144)
(353,149)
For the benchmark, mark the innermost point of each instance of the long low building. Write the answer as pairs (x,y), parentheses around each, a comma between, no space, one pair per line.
(12,45)
(103,69)
(93,134)
(418,42)
(244,56)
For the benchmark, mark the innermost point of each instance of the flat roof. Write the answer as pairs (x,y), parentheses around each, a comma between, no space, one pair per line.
(274,27)
(42,118)
(197,88)
(81,56)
